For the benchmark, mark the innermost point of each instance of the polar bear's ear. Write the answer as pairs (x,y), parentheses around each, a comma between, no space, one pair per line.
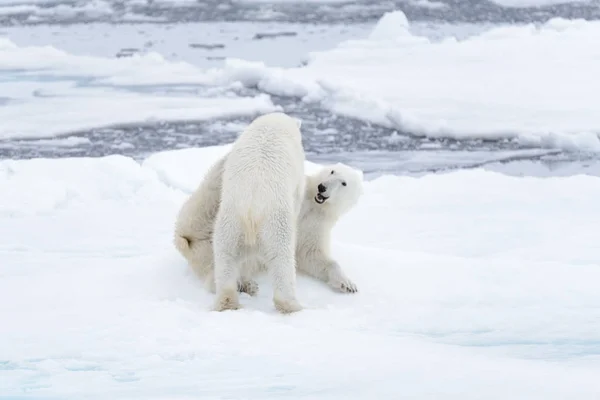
(298,122)
(360,174)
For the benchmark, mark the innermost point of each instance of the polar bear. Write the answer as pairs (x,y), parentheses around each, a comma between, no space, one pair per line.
(329,194)
(194,229)
(261,195)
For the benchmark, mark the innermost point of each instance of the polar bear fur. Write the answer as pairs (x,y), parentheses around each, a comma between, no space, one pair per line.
(194,226)
(195,222)
(261,195)
(330,193)
(194,229)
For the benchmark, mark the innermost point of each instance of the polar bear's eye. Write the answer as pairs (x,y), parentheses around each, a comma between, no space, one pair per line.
(343,183)
(332,171)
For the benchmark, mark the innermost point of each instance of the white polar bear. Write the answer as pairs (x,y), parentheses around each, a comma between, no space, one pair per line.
(329,194)
(261,194)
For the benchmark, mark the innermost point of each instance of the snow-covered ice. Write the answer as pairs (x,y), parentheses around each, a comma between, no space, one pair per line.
(181,42)
(46,90)
(508,82)
(428,4)
(42,9)
(472,285)
(49,92)
(534,84)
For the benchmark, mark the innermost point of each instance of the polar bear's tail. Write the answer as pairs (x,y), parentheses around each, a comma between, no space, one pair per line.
(183,244)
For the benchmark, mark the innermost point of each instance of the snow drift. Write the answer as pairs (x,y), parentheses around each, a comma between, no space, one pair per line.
(528,83)
(472,284)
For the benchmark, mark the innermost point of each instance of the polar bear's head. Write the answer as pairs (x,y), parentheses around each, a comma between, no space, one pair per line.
(338,186)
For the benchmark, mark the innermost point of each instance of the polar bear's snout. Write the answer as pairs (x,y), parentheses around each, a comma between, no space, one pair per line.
(323,193)
(338,185)
(326,189)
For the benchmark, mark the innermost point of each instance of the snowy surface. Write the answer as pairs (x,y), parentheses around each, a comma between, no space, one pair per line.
(73,110)
(472,285)
(512,82)
(48,92)
(508,82)
(44,9)
(428,4)
(181,42)
(55,82)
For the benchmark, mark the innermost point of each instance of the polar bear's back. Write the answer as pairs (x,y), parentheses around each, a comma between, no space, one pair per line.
(265,166)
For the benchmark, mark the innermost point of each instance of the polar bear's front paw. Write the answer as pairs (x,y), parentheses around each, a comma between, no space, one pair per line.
(250,287)
(343,284)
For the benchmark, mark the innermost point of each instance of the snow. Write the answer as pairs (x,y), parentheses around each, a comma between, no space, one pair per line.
(428,4)
(80,109)
(389,26)
(512,82)
(472,285)
(51,92)
(57,62)
(180,42)
(484,85)
(93,8)
(55,81)
(17,9)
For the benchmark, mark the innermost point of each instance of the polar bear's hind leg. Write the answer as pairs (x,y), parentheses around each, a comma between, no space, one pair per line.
(228,236)
(278,240)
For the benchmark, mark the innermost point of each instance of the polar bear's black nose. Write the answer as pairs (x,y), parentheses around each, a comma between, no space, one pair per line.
(321,188)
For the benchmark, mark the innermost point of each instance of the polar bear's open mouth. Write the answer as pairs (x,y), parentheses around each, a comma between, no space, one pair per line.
(319,198)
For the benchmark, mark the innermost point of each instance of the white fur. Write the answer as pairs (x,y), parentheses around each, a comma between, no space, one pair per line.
(315,222)
(262,190)
(343,188)
(195,223)
(194,229)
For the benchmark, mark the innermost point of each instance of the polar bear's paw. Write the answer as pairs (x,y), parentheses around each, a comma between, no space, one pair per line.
(343,284)
(287,306)
(250,287)
(227,300)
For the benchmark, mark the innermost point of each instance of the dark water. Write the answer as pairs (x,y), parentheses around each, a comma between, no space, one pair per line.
(327,138)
